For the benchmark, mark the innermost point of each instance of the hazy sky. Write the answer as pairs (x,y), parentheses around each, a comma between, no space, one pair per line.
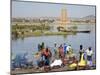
(33,9)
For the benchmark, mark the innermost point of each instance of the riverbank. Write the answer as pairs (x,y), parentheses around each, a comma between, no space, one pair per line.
(29,31)
(41,70)
(44,33)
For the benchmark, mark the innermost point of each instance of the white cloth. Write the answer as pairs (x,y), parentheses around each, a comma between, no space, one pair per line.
(56,63)
(68,48)
(89,63)
(89,53)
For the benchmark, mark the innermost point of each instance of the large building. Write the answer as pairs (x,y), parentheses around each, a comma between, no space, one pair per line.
(64,18)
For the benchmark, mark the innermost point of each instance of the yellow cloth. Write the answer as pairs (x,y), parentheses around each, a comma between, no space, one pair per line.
(73,65)
(82,62)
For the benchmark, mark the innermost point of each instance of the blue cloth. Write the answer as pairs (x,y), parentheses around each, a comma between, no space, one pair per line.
(89,58)
(65,48)
(47,62)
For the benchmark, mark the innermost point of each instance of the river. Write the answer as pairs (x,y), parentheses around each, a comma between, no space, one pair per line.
(29,44)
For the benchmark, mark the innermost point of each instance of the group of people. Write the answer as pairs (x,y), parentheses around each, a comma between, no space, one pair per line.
(45,56)
(62,51)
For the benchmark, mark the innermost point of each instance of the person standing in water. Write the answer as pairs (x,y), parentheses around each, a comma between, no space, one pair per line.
(89,53)
(39,47)
(42,45)
(61,51)
(47,55)
(81,51)
(55,48)
(56,52)
(65,49)
(69,49)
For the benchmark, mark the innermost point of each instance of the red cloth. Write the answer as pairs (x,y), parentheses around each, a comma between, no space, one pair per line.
(46,53)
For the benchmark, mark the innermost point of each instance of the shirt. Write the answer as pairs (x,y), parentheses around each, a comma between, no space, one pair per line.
(68,48)
(89,52)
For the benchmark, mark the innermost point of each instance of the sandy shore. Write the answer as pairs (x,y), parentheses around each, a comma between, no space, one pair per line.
(41,70)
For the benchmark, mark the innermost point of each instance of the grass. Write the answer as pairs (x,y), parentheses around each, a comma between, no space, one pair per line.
(46,33)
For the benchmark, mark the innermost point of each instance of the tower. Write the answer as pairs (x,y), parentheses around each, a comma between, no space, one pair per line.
(64,18)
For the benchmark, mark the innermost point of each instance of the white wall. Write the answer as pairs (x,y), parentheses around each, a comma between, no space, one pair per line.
(5,37)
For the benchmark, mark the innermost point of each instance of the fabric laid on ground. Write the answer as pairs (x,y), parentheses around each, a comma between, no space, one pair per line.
(56,63)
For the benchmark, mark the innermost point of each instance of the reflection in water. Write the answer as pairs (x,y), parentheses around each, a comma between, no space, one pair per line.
(65,36)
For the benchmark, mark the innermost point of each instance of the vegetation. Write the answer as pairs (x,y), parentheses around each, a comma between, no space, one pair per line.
(24,29)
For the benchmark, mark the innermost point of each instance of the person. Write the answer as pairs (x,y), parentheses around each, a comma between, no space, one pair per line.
(42,53)
(47,55)
(55,48)
(65,49)
(81,51)
(69,49)
(42,45)
(82,62)
(58,53)
(89,53)
(39,47)
(39,61)
(61,52)
(41,58)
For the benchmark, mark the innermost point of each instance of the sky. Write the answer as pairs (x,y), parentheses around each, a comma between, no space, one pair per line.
(33,9)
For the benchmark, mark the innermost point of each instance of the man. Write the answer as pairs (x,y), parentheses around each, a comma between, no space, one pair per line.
(89,53)
(65,48)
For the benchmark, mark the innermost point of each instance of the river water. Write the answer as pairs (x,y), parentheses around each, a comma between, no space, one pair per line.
(29,44)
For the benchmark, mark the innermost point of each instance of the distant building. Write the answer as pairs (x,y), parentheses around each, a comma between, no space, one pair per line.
(64,18)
